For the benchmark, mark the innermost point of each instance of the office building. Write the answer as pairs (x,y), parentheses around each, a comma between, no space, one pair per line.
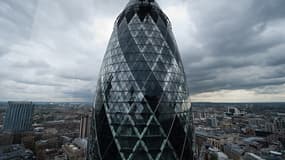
(19,117)
(141,109)
(73,152)
(84,121)
(212,122)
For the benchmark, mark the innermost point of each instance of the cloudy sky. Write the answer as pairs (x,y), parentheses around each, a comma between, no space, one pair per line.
(233,51)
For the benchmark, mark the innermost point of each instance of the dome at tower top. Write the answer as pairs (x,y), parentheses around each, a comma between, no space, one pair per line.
(143,8)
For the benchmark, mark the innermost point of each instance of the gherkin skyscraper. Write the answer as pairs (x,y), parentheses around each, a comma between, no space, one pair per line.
(141,109)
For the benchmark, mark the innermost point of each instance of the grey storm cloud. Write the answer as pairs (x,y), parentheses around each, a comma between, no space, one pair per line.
(84,94)
(240,44)
(53,49)
(14,13)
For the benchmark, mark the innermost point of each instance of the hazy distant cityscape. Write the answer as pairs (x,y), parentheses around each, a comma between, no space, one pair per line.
(222,131)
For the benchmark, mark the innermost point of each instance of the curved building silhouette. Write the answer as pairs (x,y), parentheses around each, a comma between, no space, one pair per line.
(141,108)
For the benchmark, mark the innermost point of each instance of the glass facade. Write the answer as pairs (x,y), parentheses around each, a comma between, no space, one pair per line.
(141,108)
(19,117)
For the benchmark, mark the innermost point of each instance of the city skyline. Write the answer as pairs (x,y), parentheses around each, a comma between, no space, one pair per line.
(232,52)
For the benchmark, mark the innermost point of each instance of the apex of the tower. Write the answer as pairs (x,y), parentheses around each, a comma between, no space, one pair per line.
(143,8)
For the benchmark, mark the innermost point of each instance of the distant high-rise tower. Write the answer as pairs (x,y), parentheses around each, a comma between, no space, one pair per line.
(84,126)
(19,117)
(141,109)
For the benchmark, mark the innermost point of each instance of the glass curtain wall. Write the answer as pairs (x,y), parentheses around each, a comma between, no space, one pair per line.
(141,109)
